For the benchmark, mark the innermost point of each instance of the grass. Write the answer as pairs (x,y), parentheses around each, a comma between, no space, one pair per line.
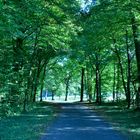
(125,120)
(29,125)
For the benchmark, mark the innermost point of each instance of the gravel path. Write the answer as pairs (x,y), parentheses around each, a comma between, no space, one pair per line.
(78,122)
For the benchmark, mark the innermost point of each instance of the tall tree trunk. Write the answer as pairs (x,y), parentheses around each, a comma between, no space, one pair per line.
(42,83)
(82,85)
(100,95)
(118,84)
(18,54)
(33,76)
(28,89)
(36,81)
(94,94)
(26,96)
(121,69)
(67,82)
(18,64)
(67,89)
(137,50)
(114,83)
(128,73)
(97,85)
(89,85)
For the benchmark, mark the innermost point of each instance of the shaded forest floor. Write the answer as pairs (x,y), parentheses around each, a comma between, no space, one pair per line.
(127,121)
(29,125)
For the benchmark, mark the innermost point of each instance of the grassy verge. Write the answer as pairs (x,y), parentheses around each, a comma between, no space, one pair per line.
(28,126)
(127,121)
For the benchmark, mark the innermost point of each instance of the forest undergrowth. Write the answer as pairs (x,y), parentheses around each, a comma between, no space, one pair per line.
(125,120)
(29,125)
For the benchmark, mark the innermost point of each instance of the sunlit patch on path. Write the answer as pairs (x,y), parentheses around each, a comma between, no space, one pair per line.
(78,122)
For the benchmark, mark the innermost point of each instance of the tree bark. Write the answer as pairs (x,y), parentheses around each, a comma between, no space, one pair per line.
(67,88)
(121,68)
(36,81)
(42,83)
(122,72)
(118,84)
(52,95)
(100,95)
(89,85)
(67,82)
(137,51)
(82,85)
(97,85)
(128,73)
(114,83)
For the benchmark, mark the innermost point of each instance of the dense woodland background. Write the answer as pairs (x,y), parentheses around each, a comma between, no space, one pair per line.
(69,46)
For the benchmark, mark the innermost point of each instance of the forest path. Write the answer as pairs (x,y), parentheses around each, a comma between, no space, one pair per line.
(78,122)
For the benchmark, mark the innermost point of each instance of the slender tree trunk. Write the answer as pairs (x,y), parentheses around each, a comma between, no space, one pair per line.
(121,72)
(26,96)
(118,84)
(94,94)
(128,73)
(33,76)
(67,83)
(121,69)
(41,92)
(18,64)
(82,84)
(97,85)
(42,83)
(114,83)
(36,81)
(89,85)
(100,95)
(67,89)
(34,95)
(137,50)
(52,95)
(85,84)
(28,90)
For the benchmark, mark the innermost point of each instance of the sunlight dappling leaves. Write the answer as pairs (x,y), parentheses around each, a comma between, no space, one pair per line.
(32,33)
(86,47)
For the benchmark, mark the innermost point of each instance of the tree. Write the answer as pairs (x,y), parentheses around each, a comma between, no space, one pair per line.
(32,33)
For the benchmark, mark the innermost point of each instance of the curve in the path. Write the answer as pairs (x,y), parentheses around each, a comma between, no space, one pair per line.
(78,122)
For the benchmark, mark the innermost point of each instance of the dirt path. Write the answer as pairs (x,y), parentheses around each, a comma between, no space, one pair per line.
(78,122)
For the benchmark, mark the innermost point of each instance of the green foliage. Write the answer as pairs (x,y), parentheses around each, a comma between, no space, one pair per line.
(36,34)
(32,33)
(59,72)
